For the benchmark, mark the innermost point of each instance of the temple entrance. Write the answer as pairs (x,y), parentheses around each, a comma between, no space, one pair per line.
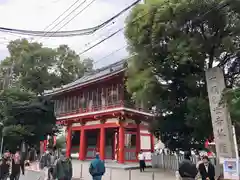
(75,143)
(110,141)
(92,143)
(130,145)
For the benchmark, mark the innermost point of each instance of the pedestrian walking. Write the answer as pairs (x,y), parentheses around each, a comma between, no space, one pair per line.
(200,161)
(63,167)
(187,169)
(4,167)
(97,168)
(141,158)
(206,169)
(45,160)
(53,158)
(16,166)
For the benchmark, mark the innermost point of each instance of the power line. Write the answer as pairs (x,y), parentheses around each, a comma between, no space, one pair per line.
(61,15)
(100,42)
(221,6)
(75,15)
(100,35)
(67,16)
(111,35)
(86,31)
(111,53)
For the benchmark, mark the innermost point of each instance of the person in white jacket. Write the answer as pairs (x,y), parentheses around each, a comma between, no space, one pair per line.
(141,159)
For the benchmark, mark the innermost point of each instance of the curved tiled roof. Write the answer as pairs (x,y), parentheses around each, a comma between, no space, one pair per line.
(90,77)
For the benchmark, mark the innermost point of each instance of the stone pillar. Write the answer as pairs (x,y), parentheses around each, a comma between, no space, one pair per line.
(82,149)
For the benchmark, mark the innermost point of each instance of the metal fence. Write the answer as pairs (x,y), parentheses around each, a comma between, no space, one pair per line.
(82,173)
(171,162)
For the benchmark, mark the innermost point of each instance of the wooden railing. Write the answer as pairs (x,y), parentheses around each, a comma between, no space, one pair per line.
(96,108)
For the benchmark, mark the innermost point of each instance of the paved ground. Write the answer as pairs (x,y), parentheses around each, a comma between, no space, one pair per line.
(32,175)
(117,172)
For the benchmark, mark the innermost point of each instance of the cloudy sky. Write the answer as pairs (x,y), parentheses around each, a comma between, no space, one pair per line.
(37,15)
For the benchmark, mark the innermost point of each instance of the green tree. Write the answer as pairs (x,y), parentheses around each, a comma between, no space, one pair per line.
(25,117)
(38,68)
(30,69)
(173,43)
(69,65)
(232,96)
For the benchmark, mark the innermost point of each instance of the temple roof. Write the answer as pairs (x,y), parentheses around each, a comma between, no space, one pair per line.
(96,75)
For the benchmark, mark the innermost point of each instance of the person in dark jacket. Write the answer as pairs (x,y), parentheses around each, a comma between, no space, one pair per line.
(97,168)
(187,169)
(16,166)
(4,168)
(206,169)
(63,167)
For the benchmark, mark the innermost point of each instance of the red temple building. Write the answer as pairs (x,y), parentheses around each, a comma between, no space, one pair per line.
(98,115)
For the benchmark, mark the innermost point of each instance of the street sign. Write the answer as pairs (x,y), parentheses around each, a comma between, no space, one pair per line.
(231,169)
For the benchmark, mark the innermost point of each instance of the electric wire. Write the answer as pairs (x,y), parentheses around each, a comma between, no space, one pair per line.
(221,6)
(61,15)
(86,31)
(74,15)
(81,4)
(110,54)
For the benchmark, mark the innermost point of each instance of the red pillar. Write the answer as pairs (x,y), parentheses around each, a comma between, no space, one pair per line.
(121,156)
(68,141)
(82,149)
(138,139)
(102,143)
(98,141)
(152,142)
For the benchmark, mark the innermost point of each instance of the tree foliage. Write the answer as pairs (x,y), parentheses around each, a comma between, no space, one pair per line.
(25,117)
(173,43)
(38,68)
(30,69)
(232,96)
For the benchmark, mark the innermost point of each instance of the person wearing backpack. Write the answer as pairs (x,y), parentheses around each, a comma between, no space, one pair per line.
(63,167)
(97,168)
(187,169)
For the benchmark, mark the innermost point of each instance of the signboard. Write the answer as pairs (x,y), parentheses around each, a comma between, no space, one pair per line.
(222,126)
(231,169)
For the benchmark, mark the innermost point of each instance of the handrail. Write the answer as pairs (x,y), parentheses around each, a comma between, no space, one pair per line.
(95,108)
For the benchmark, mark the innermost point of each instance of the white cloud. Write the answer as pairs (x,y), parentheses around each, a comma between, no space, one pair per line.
(36,15)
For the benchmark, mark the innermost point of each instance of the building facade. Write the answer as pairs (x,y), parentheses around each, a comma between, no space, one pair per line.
(98,116)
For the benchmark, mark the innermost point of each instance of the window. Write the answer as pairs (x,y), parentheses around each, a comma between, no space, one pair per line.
(99,97)
(69,104)
(94,98)
(108,96)
(74,103)
(64,105)
(114,94)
